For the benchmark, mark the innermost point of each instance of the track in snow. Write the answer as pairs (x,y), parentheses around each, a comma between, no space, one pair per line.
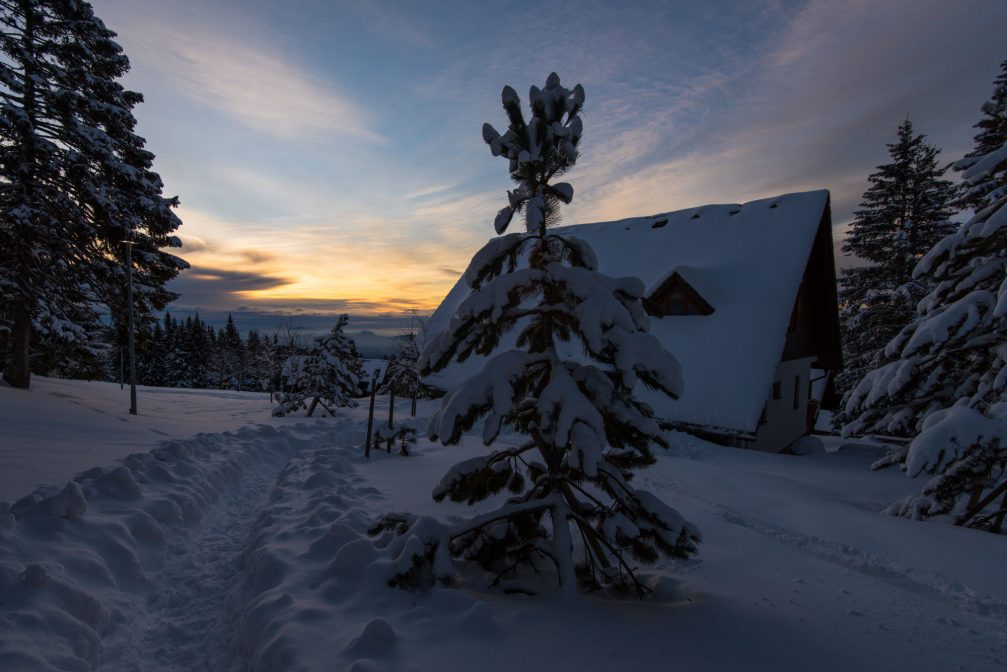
(188,625)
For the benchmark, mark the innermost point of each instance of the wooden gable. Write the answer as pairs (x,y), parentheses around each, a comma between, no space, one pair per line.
(675,296)
(813,330)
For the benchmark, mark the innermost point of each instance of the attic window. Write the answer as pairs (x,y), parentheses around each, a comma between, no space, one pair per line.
(675,296)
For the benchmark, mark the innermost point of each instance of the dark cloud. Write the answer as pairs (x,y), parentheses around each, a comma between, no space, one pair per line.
(217,289)
(194,244)
(449,272)
(215,293)
(257,256)
(390,306)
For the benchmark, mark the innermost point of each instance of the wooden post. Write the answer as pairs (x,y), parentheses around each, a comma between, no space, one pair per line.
(391,418)
(131,340)
(370,415)
(999,520)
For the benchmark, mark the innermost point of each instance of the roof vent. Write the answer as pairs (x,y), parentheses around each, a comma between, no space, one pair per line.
(659,223)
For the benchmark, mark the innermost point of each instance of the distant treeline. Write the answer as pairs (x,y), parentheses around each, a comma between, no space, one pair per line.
(175,353)
(191,353)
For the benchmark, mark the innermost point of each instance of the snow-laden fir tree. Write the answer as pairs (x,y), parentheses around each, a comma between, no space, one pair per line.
(572,504)
(77,181)
(329,375)
(990,137)
(904,212)
(946,381)
(402,376)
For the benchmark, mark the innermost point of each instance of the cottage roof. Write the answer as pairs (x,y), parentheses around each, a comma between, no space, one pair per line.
(747,261)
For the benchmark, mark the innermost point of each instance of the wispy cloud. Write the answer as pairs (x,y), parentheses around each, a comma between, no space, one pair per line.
(394,25)
(425,192)
(239,74)
(814,110)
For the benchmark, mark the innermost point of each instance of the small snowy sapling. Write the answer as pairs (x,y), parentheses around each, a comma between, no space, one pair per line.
(328,376)
(572,505)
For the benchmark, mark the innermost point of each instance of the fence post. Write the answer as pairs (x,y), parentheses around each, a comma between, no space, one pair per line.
(370,415)
(391,418)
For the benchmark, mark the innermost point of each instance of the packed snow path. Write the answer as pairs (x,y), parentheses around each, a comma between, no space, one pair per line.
(190,614)
(140,566)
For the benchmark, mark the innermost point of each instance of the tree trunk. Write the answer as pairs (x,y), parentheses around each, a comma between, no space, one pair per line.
(18,372)
(562,547)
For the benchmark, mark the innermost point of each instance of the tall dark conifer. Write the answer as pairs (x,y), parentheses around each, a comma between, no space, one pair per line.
(904,212)
(945,377)
(76,181)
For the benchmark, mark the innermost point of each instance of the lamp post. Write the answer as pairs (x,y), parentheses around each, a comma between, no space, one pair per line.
(129,313)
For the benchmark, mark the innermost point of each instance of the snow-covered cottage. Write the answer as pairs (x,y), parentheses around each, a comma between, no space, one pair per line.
(743,295)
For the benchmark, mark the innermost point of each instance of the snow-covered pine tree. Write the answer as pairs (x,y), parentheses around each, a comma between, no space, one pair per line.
(573,506)
(402,375)
(904,212)
(990,137)
(74,348)
(946,380)
(78,179)
(329,375)
(231,356)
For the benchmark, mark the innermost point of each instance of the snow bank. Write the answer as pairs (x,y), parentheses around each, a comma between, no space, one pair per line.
(77,563)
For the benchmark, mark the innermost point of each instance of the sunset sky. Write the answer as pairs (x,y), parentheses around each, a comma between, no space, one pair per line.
(328,154)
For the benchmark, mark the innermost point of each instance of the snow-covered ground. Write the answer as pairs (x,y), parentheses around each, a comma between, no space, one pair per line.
(61,427)
(214,548)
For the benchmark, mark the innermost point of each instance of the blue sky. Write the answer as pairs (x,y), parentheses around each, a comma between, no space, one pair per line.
(328,154)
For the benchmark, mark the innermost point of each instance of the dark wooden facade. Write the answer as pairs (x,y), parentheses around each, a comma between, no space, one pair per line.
(814,326)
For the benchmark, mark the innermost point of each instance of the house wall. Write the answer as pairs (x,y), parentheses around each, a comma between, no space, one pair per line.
(784,424)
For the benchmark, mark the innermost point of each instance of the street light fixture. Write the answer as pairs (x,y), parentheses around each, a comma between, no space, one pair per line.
(129,311)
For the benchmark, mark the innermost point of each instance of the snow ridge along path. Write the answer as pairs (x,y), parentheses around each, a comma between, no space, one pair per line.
(136,566)
(188,624)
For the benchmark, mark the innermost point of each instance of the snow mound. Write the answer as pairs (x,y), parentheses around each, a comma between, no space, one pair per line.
(77,565)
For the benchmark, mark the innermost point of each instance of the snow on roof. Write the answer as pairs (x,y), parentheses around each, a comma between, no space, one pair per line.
(746,260)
